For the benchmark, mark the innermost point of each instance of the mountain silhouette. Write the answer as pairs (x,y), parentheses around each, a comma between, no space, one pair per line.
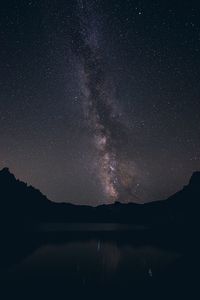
(23,206)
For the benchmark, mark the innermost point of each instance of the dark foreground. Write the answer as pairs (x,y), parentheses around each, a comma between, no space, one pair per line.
(126,251)
(126,264)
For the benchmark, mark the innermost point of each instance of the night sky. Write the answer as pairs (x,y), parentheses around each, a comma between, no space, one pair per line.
(100,100)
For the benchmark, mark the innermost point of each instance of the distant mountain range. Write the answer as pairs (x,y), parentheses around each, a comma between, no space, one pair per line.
(24,206)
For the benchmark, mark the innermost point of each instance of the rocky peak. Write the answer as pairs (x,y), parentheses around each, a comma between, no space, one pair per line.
(195,180)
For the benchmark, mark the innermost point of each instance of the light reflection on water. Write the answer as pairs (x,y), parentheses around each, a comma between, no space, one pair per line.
(95,261)
(120,266)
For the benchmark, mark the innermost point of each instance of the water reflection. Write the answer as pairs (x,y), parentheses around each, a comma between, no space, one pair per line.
(81,265)
(95,261)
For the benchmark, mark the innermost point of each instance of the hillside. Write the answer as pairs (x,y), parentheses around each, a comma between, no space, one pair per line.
(24,205)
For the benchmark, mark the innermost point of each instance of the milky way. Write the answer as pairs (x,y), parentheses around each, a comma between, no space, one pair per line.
(99,99)
(116,172)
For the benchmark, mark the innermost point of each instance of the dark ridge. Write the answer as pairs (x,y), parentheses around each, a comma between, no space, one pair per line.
(26,206)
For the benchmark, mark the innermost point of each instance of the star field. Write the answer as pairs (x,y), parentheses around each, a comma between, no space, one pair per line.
(99,100)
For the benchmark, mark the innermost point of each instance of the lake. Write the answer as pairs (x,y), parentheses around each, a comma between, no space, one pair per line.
(99,265)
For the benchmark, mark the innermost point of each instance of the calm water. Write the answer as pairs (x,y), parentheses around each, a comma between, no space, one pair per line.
(102,267)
